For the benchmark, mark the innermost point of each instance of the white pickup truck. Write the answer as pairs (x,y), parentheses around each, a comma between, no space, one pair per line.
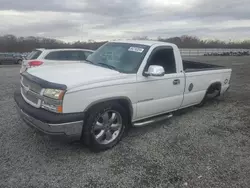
(122,84)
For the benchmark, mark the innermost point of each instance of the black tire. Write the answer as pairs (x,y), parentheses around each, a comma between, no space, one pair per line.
(19,62)
(207,97)
(88,137)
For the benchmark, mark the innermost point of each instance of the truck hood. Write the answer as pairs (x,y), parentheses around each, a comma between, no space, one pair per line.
(75,74)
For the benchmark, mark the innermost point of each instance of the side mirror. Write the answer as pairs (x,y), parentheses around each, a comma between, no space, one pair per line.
(155,70)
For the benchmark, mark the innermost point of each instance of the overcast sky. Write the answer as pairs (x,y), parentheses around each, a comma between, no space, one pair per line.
(71,20)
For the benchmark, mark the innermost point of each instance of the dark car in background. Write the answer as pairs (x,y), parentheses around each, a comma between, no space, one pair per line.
(8,58)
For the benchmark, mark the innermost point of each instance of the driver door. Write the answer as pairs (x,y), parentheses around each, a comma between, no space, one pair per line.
(160,94)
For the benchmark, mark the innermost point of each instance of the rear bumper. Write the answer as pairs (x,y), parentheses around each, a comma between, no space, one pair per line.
(66,126)
(22,69)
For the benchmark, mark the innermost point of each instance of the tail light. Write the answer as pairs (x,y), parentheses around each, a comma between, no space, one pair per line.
(35,63)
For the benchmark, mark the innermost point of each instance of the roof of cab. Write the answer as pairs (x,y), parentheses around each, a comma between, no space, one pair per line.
(143,42)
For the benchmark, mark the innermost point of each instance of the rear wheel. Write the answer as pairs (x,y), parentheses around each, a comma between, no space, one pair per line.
(19,62)
(212,92)
(105,126)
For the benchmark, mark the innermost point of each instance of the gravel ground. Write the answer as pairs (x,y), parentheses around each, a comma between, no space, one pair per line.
(199,147)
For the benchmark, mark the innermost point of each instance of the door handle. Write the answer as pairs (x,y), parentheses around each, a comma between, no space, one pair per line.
(176,82)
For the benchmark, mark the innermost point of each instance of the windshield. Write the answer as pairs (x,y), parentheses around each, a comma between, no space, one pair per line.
(123,57)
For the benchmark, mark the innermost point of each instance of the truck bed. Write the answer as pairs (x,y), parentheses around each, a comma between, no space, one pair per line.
(192,66)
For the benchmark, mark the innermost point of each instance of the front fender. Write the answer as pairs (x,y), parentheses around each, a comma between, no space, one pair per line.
(80,101)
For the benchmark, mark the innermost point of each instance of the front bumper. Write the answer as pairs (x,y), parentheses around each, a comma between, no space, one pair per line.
(68,126)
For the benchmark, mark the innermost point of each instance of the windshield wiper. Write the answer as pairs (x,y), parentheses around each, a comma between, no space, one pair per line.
(108,66)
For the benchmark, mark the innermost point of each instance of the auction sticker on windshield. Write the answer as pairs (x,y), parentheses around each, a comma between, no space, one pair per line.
(136,49)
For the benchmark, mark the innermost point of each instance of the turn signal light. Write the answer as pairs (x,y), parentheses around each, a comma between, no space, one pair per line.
(59,109)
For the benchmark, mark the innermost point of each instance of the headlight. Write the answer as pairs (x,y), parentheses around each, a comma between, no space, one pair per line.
(53,107)
(54,93)
(52,100)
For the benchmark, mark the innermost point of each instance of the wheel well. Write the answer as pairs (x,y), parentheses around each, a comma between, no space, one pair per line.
(126,103)
(210,90)
(128,106)
(213,87)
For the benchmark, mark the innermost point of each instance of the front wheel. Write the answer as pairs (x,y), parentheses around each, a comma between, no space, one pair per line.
(105,126)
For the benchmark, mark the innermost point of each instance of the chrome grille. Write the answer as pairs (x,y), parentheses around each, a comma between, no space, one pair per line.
(31,92)
(31,85)
(29,95)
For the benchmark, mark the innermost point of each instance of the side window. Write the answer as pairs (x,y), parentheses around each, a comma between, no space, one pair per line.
(82,55)
(73,56)
(52,56)
(165,58)
(87,53)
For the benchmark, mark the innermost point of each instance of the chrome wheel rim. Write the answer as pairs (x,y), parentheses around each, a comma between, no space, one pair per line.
(107,127)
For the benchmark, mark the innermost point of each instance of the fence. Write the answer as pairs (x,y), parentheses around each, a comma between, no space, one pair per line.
(203,51)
